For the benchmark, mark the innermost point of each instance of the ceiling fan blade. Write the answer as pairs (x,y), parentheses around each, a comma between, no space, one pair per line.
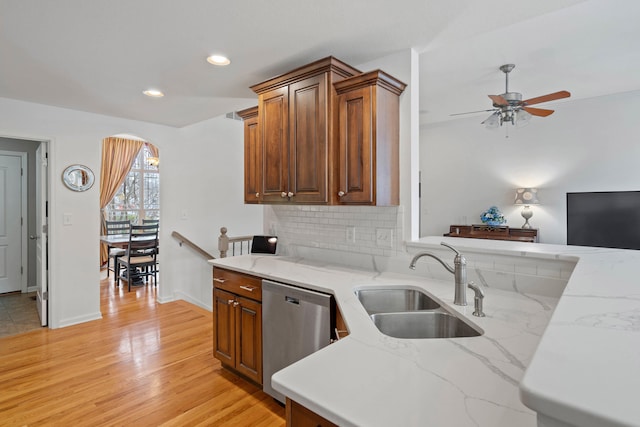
(538,111)
(470,112)
(498,100)
(547,98)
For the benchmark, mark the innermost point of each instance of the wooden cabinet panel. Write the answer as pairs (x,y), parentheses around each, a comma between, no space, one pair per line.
(252,155)
(274,125)
(223,326)
(249,339)
(238,283)
(308,140)
(368,160)
(356,161)
(237,322)
(299,416)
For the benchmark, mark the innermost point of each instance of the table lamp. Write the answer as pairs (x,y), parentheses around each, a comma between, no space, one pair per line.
(526,197)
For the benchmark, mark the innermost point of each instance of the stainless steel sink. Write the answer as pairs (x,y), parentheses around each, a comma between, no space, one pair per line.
(411,313)
(395,300)
(423,324)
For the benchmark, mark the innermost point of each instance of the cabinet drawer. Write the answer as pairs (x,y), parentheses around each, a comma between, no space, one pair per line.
(238,283)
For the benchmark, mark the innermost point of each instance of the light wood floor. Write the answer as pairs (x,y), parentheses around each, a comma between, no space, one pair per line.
(143,364)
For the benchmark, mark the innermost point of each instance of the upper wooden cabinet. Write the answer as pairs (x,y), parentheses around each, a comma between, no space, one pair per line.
(368,160)
(252,156)
(293,151)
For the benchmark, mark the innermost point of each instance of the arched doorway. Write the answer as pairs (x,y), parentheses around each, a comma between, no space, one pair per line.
(129,185)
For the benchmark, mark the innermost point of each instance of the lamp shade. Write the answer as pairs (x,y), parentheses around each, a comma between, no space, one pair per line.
(526,196)
(493,121)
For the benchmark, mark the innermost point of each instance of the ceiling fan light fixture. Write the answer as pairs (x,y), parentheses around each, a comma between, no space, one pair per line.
(522,118)
(494,121)
(509,107)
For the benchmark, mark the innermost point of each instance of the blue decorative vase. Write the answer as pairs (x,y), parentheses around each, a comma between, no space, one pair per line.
(493,223)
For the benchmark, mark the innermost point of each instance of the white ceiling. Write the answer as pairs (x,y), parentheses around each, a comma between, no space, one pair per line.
(99,56)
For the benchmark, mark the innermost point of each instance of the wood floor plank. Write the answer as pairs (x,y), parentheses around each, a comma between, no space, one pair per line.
(142,364)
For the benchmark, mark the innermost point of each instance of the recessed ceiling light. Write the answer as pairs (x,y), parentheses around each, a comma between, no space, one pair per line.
(153,93)
(218,60)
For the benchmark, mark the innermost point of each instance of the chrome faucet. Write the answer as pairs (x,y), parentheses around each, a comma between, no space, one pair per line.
(459,272)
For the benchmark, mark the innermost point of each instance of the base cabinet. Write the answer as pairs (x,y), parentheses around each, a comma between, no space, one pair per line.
(237,323)
(299,416)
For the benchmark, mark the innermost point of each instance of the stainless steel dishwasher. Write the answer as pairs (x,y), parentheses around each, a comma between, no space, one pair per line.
(295,323)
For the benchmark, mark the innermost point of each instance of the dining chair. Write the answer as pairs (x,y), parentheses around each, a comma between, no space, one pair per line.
(113,228)
(140,258)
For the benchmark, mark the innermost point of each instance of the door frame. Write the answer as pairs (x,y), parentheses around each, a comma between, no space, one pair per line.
(24,285)
(51,285)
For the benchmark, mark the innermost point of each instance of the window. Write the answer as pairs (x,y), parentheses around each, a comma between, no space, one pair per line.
(139,196)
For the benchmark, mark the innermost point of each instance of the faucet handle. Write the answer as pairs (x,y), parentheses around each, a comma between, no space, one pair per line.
(451,247)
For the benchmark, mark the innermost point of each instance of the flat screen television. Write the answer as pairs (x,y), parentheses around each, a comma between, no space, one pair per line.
(607,219)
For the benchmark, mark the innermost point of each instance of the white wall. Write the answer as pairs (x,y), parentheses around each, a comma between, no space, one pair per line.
(201,172)
(207,182)
(586,145)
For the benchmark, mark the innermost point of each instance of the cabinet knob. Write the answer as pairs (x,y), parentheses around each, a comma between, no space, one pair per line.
(341,193)
(290,194)
(257,194)
(283,194)
(229,302)
(236,303)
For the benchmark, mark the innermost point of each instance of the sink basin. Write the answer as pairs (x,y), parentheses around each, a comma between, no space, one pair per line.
(423,324)
(395,300)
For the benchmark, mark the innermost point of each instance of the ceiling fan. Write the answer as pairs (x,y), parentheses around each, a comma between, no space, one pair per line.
(509,106)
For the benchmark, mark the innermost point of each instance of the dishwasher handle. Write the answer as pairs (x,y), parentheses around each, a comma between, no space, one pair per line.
(292,300)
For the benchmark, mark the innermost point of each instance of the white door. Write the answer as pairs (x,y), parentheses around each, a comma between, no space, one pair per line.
(10,224)
(41,236)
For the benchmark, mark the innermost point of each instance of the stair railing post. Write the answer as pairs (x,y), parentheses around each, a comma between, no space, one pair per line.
(223,242)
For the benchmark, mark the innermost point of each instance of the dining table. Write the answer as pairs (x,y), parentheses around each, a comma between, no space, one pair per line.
(121,241)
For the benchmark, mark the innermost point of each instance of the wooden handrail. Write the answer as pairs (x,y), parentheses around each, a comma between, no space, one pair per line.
(192,245)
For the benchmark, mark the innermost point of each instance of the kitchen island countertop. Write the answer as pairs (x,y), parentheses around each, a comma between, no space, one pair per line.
(370,379)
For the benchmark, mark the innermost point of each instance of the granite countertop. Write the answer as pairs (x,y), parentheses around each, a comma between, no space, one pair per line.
(585,369)
(370,379)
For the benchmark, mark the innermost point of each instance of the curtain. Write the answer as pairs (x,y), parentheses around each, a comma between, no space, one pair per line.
(118,155)
(153,150)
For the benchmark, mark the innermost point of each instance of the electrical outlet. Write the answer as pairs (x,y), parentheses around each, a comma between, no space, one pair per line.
(350,235)
(67,219)
(184,214)
(384,237)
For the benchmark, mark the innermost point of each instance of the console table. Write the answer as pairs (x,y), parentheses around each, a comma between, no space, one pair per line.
(493,233)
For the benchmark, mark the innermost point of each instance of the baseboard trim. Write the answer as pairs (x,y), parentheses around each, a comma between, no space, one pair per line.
(79,319)
(191,300)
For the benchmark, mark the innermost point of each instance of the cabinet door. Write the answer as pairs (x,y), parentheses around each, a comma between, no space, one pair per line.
(299,416)
(308,140)
(249,339)
(274,123)
(356,152)
(224,320)
(252,161)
